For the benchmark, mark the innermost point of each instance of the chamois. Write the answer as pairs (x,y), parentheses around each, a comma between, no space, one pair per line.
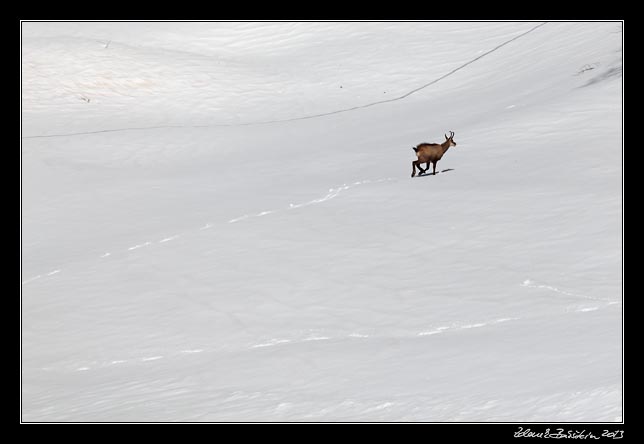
(431,152)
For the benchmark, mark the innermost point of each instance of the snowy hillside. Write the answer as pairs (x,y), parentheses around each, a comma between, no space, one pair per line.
(219,224)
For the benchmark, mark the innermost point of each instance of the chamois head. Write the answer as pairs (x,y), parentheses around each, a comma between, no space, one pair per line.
(450,139)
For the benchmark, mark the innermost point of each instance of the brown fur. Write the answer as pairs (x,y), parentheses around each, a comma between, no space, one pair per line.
(431,152)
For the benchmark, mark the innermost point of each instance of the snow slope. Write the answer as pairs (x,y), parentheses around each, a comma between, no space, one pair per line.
(218,222)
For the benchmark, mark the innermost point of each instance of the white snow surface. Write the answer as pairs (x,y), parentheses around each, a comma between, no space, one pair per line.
(219,224)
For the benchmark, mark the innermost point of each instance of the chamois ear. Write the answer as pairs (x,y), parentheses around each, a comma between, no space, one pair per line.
(446,138)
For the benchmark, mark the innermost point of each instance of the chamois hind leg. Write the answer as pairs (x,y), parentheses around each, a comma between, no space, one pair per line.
(426,167)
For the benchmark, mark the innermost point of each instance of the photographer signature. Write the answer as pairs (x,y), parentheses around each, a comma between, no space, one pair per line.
(566,434)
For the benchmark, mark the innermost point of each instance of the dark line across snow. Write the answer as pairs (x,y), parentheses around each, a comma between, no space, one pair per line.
(312,116)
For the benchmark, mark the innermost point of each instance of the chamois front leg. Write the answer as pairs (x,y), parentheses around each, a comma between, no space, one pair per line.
(434,164)
(413,167)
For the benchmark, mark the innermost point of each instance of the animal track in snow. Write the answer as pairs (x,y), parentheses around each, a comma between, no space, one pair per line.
(31,279)
(303,338)
(311,337)
(271,343)
(94,365)
(454,327)
(126,361)
(316,338)
(586,309)
(433,332)
(532,284)
(382,406)
(196,350)
(582,309)
(437,330)
(136,247)
(333,192)
(237,219)
(480,324)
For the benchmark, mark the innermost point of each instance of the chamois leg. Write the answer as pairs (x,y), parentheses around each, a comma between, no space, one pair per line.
(413,167)
(434,164)
(426,167)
